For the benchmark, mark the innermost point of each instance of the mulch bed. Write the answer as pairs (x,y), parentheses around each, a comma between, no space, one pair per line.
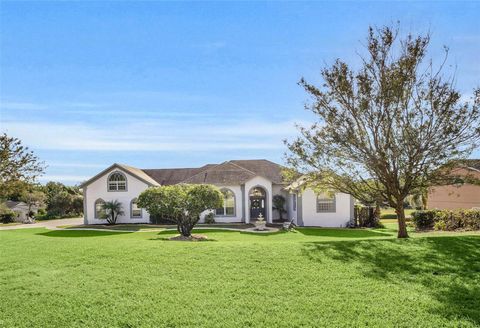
(191,238)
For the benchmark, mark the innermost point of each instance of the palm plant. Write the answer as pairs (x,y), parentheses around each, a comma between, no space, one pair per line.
(112,210)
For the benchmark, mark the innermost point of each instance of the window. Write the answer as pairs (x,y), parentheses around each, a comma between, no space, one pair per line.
(99,211)
(228,208)
(294,202)
(257,192)
(135,211)
(117,182)
(326,204)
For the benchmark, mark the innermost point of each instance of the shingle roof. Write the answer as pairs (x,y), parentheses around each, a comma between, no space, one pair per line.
(174,176)
(231,172)
(226,173)
(271,171)
(139,173)
(130,169)
(11,204)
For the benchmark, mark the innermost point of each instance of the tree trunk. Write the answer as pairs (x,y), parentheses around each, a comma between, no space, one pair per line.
(402,225)
(185,229)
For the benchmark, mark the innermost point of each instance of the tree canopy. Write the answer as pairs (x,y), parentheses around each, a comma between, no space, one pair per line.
(18,166)
(181,204)
(393,127)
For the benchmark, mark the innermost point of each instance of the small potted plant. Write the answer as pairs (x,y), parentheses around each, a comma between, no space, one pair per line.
(260,224)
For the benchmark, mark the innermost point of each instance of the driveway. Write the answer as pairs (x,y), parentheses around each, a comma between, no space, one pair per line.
(49,224)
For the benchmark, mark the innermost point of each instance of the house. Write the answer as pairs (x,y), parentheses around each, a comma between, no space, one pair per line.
(248,187)
(21,209)
(461,195)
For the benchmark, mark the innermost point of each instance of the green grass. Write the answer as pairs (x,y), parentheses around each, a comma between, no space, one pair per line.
(389,213)
(308,278)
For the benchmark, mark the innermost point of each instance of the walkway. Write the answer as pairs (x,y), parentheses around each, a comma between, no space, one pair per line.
(49,224)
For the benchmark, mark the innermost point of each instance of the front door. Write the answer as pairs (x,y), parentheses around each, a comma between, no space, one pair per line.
(257,207)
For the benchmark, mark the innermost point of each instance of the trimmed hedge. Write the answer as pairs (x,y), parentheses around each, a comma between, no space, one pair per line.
(447,220)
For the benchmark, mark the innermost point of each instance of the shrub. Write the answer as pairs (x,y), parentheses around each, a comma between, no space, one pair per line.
(210,218)
(424,219)
(8,217)
(447,220)
(6,214)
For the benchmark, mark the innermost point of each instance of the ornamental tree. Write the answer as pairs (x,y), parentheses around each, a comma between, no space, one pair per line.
(392,128)
(181,204)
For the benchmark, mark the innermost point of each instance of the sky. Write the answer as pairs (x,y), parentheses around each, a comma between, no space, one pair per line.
(182,84)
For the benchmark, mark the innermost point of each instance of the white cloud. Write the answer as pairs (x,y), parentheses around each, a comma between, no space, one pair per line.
(76,165)
(63,178)
(152,135)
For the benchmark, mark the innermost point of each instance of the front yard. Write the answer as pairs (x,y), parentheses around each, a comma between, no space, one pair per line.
(309,278)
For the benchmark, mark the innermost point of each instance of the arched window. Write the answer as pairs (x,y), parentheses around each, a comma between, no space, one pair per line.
(257,192)
(326,204)
(228,208)
(99,211)
(117,182)
(135,211)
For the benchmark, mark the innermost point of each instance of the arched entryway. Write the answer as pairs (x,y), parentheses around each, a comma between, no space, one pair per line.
(258,203)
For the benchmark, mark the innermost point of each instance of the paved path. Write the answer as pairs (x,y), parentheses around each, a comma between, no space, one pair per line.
(49,224)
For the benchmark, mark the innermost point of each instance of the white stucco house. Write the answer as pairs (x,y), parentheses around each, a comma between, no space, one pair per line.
(248,187)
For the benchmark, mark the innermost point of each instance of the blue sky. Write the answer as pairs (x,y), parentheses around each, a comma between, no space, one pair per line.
(154,84)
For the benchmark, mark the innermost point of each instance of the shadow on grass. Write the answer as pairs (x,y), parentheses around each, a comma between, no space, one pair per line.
(121,227)
(173,232)
(342,233)
(447,267)
(79,233)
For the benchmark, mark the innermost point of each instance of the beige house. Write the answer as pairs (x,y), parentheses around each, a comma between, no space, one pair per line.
(460,196)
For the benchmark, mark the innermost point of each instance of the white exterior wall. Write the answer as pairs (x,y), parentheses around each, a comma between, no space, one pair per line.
(267,186)
(342,216)
(237,191)
(99,189)
(292,212)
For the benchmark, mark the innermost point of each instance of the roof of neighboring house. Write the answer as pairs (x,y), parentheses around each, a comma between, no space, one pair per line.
(14,205)
(473,163)
(227,173)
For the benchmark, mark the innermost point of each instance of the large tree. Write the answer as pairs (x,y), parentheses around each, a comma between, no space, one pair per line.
(181,204)
(63,200)
(391,128)
(19,166)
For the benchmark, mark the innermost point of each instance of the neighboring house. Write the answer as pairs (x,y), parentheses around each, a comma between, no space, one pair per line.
(21,209)
(458,196)
(247,185)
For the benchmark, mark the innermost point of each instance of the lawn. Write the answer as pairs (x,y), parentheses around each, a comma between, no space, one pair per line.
(309,278)
(389,213)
